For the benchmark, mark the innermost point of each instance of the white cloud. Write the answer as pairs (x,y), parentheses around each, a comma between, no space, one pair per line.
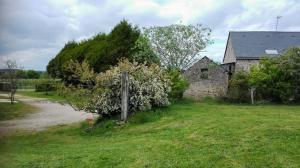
(34,31)
(31,58)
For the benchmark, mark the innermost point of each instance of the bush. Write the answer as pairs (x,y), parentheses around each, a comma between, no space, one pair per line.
(45,86)
(278,78)
(5,86)
(28,74)
(148,87)
(238,90)
(178,84)
(275,79)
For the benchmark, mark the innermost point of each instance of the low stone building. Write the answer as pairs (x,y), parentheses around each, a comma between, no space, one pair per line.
(207,78)
(243,50)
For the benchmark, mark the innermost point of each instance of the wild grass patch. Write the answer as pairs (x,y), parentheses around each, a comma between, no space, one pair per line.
(185,134)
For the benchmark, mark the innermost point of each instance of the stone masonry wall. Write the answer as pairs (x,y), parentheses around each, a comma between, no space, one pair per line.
(215,85)
(245,65)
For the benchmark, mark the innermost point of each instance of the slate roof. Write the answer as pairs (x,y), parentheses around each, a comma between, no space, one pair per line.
(252,44)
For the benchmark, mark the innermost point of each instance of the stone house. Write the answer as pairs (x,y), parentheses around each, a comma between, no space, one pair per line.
(243,50)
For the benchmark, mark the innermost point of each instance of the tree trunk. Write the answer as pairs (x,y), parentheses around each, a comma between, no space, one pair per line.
(11,97)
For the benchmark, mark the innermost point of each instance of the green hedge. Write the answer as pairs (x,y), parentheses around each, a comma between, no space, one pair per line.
(4,86)
(45,87)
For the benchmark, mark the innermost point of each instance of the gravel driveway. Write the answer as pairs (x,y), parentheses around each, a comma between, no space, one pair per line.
(49,114)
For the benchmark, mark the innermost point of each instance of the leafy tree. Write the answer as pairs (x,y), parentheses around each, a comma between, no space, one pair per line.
(143,52)
(120,43)
(44,75)
(96,49)
(21,74)
(278,78)
(238,90)
(54,67)
(100,51)
(32,74)
(274,78)
(178,46)
(28,74)
(178,84)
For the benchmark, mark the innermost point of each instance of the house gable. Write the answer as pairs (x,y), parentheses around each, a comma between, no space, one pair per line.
(200,69)
(229,55)
(206,78)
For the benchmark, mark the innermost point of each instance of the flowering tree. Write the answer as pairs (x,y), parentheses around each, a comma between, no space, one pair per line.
(178,46)
(148,86)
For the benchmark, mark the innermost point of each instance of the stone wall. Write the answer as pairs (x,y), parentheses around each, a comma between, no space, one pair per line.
(245,65)
(201,89)
(215,84)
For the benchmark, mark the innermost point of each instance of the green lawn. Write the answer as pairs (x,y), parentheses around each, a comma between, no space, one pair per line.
(16,110)
(52,96)
(186,134)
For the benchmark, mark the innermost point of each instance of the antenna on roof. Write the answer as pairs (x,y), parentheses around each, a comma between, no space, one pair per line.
(277,18)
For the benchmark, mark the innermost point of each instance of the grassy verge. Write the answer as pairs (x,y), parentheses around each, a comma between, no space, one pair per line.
(52,96)
(16,110)
(186,134)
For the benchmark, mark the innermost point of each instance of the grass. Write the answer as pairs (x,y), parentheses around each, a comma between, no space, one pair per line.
(52,95)
(10,111)
(186,134)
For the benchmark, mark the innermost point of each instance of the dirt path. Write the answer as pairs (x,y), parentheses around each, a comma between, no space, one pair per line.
(49,114)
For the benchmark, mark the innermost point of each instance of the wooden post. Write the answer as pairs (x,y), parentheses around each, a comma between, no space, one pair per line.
(124,87)
(252,90)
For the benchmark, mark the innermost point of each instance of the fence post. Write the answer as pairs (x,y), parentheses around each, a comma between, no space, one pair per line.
(252,90)
(124,90)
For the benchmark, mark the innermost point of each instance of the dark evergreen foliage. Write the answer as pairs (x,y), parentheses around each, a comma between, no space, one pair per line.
(100,51)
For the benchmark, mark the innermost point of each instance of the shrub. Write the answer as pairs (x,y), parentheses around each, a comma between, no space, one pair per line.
(278,78)
(178,84)
(5,86)
(274,78)
(238,90)
(143,52)
(45,85)
(148,87)
(79,73)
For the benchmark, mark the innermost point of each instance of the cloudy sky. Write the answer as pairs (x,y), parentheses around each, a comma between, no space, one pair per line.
(33,31)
